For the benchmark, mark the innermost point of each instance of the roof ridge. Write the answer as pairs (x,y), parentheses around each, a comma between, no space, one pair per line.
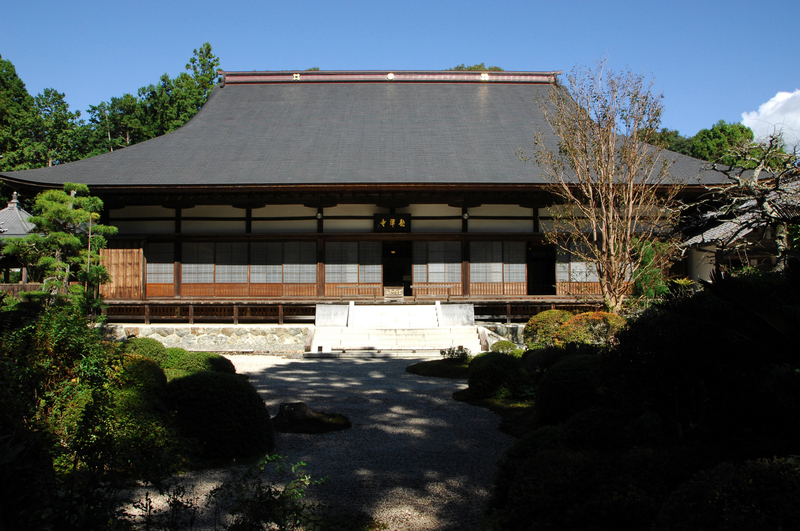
(387,76)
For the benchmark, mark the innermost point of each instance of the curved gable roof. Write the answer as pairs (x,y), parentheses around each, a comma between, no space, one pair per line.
(340,128)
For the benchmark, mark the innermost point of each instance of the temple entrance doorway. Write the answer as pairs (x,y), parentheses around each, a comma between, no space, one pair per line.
(397,265)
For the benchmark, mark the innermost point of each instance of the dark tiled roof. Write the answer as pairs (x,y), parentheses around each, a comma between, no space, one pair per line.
(14,220)
(323,133)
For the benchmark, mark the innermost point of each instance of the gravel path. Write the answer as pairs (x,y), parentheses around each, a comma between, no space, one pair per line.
(415,459)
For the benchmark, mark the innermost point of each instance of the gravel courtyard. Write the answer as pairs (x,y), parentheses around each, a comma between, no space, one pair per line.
(414,459)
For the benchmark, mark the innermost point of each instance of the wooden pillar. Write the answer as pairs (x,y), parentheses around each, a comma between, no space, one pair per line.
(320,268)
(465,267)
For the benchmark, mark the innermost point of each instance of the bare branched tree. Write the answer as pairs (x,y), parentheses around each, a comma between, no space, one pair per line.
(613,183)
(763,190)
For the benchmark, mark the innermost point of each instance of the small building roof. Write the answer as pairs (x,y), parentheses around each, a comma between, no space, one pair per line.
(343,128)
(14,220)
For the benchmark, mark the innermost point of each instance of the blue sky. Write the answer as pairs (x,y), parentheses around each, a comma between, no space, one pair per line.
(712,60)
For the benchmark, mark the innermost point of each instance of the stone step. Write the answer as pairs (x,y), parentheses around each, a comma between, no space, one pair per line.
(429,339)
(419,354)
(433,333)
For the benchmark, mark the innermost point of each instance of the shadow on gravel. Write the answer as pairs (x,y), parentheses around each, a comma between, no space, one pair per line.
(414,458)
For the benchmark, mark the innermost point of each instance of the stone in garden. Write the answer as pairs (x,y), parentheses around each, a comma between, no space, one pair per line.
(297,417)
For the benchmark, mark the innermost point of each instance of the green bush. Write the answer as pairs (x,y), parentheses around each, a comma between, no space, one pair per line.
(559,488)
(222,413)
(542,327)
(760,494)
(461,354)
(593,328)
(496,375)
(147,440)
(147,347)
(569,386)
(505,347)
(182,360)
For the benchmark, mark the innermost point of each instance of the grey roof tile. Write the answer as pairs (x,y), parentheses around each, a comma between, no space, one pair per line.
(340,133)
(14,220)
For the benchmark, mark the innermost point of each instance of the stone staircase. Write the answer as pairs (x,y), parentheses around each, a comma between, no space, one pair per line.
(388,330)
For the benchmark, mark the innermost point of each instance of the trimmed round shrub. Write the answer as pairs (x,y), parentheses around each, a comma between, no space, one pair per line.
(569,386)
(184,360)
(146,438)
(496,375)
(142,373)
(593,328)
(762,494)
(542,327)
(147,347)
(538,361)
(503,346)
(222,413)
(560,488)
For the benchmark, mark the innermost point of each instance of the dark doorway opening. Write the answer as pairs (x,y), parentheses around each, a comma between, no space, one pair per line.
(397,265)
(541,270)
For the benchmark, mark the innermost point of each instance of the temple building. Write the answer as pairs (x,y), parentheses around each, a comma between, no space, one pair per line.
(292,189)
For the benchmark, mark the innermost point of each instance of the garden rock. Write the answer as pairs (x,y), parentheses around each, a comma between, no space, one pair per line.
(297,417)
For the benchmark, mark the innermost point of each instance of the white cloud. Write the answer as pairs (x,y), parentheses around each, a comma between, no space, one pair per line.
(781,113)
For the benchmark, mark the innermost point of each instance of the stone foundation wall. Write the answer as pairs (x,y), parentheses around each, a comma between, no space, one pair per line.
(263,339)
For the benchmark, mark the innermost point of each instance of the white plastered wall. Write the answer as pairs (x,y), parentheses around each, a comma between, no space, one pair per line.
(701,262)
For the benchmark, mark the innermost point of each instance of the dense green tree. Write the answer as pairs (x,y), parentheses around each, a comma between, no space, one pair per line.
(52,133)
(65,242)
(116,124)
(16,105)
(203,64)
(672,140)
(480,67)
(716,144)
(171,103)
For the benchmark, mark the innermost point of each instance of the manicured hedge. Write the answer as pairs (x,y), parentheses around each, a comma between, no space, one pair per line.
(570,386)
(593,328)
(496,375)
(222,413)
(183,360)
(147,347)
(541,329)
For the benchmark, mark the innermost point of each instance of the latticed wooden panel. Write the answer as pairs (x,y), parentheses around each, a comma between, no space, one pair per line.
(230,290)
(160,290)
(126,311)
(260,311)
(124,264)
(266,290)
(197,290)
(167,311)
(213,311)
(498,288)
(438,289)
(299,311)
(578,288)
(299,290)
(353,290)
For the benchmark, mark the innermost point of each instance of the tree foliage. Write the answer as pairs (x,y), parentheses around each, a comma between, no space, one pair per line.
(53,134)
(613,184)
(480,67)
(41,131)
(15,107)
(716,144)
(763,190)
(65,243)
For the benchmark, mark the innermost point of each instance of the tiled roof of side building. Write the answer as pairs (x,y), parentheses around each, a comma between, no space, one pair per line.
(326,128)
(14,220)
